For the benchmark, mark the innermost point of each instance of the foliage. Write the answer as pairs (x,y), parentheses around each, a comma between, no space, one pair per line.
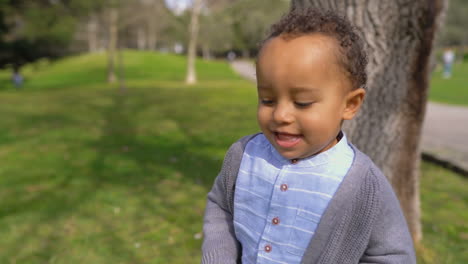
(35,29)
(251,21)
(453,32)
(90,175)
(216,32)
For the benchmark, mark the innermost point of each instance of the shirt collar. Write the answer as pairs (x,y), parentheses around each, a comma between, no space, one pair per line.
(317,159)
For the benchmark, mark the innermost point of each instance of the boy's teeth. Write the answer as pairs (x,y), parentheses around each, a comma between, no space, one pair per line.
(285,137)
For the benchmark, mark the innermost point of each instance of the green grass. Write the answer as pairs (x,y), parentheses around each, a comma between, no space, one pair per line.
(89,70)
(444,205)
(453,90)
(92,175)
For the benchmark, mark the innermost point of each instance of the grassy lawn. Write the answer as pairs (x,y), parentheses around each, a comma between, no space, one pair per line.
(453,90)
(444,202)
(91,175)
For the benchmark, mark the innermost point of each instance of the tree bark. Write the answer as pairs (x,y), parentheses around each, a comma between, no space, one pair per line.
(206,52)
(245,53)
(92,34)
(112,45)
(191,77)
(152,34)
(121,69)
(141,38)
(152,27)
(399,35)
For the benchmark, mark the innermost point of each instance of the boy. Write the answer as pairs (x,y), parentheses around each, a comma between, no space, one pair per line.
(299,192)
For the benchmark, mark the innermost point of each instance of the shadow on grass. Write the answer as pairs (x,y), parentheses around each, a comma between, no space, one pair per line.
(123,159)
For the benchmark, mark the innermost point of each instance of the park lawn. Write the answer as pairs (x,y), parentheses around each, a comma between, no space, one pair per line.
(89,71)
(94,175)
(453,90)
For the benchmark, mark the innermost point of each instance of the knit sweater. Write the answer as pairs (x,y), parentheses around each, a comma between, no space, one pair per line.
(363,222)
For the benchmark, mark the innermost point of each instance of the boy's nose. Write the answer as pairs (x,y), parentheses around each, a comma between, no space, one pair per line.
(283,114)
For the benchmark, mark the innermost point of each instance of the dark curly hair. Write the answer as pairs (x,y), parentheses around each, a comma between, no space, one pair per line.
(299,22)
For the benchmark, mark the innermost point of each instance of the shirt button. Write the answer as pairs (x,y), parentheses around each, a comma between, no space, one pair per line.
(267,248)
(294,161)
(284,187)
(275,220)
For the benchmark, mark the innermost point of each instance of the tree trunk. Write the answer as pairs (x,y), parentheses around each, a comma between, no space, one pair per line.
(152,34)
(206,52)
(141,38)
(245,53)
(92,34)
(112,45)
(399,35)
(191,77)
(121,69)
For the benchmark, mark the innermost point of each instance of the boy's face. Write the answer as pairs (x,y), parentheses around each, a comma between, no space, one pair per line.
(304,94)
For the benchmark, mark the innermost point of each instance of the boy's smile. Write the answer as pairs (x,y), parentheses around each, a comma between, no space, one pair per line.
(304,94)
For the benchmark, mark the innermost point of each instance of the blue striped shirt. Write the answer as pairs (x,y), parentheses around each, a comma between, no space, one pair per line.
(278,204)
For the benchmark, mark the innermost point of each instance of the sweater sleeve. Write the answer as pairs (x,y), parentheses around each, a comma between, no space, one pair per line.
(220,244)
(390,240)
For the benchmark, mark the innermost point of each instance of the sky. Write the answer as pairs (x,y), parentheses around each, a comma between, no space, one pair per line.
(178,5)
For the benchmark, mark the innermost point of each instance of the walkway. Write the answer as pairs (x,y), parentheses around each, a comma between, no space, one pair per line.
(445,130)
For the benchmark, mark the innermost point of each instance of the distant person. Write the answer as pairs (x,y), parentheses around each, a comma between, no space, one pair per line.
(449,58)
(17,78)
(231,56)
(300,192)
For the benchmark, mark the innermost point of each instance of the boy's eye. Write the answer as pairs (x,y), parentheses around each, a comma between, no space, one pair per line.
(303,104)
(266,101)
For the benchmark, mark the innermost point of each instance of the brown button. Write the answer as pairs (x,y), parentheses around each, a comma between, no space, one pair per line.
(267,248)
(275,220)
(294,161)
(284,187)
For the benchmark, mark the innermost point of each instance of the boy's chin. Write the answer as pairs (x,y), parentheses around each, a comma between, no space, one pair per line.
(290,155)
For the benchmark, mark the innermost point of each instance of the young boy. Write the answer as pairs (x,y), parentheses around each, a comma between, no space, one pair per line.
(299,192)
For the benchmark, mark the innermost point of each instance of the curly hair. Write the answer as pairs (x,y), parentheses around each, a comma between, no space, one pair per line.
(299,22)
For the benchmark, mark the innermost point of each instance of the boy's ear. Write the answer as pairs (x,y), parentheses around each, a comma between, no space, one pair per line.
(353,102)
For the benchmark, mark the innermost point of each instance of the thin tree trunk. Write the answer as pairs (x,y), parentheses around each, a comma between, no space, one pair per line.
(245,53)
(141,38)
(206,52)
(191,77)
(399,35)
(121,69)
(152,34)
(92,34)
(113,39)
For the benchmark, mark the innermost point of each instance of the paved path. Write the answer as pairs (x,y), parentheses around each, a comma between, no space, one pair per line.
(445,130)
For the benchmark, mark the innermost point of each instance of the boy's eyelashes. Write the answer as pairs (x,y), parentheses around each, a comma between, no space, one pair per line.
(266,101)
(270,102)
(303,104)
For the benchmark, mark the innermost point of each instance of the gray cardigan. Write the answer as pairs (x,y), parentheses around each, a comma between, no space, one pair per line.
(363,222)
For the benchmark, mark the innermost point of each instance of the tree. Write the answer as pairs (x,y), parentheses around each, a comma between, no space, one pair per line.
(454,29)
(156,18)
(251,20)
(216,28)
(399,35)
(113,42)
(191,77)
(30,30)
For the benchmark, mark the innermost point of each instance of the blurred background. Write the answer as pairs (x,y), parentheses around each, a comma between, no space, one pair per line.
(116,115)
